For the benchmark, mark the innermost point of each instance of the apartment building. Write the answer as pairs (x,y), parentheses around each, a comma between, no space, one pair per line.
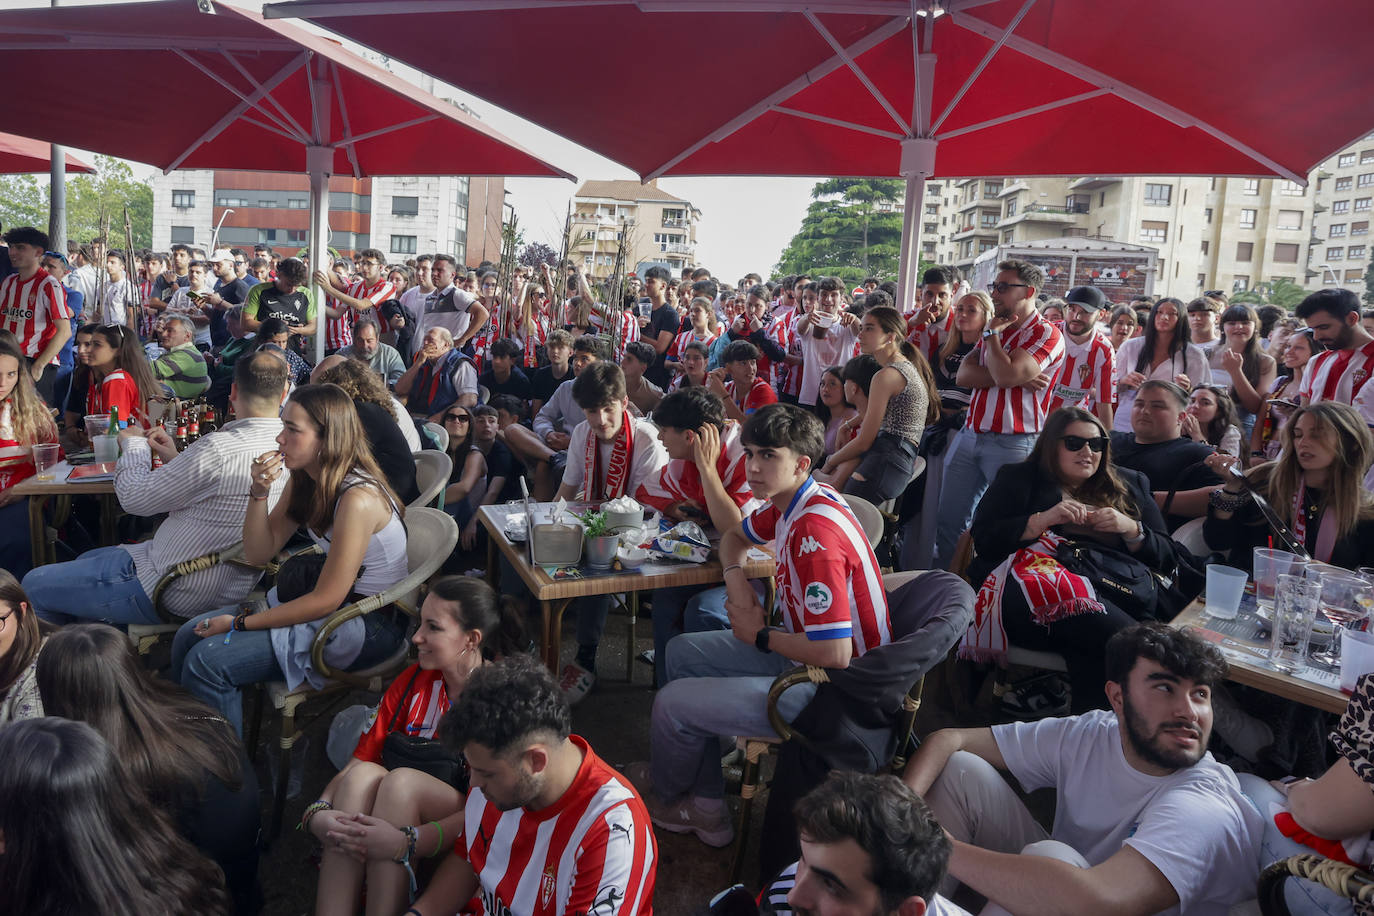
(1340,252)
(657,227)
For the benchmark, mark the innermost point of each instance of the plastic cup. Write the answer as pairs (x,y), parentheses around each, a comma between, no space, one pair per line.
(106,448)
(1269,565)
(44,457)
(1357,657)
(1295,612)
(96,424)
(1225,586)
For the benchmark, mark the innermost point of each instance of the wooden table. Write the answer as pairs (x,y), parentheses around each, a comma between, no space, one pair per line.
(40,491)
(1248,655)
(554,595)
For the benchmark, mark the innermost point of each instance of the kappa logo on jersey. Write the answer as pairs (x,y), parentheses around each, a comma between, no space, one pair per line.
(546,887)
(808,545)
(817,599)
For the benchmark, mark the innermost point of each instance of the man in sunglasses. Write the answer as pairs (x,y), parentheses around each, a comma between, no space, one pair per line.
(1010,373)
(346,303)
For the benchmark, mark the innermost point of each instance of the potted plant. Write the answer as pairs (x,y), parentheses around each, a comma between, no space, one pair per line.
(601,542)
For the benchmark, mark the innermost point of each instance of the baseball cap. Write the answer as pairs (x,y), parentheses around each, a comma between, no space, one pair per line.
(220,254)
(1090,296)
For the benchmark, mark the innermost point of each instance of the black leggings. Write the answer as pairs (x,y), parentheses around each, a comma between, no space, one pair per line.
(1081,640)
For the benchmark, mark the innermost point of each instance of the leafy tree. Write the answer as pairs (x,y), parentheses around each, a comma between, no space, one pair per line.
(536,253)
(104,194)
(851,230)
(1282,292)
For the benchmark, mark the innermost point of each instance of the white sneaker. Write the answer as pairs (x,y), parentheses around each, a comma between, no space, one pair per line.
(686,816)
(576,682)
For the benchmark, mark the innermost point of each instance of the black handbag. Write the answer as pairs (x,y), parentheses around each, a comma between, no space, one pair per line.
(1118,578)
(424,754)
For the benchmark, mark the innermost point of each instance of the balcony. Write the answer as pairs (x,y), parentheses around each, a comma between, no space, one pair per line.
(1014,188)
(974,231)
(677,247)
(1045,213)
(674,223)
(1091,184)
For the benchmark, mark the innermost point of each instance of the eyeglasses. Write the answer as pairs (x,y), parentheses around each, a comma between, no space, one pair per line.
(1076,443)
(1000,287)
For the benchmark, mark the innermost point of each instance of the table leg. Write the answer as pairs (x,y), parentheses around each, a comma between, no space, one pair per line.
(109,520)
(552,612)
(492,560)
(38,533)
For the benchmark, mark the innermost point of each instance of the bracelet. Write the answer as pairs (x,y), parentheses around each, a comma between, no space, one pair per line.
(259,498)
(439,843)
(412,910)
(241,620)
(730,567)
(311,810)
(1223,501)
(403,859)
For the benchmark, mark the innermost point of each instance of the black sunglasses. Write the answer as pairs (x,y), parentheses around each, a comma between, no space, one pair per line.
(1076,443)
(457,416)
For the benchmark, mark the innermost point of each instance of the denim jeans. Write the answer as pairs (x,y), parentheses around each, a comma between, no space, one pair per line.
(1304,898)
(16,550)
(100,585)
(717,685)
(215,667)
(972,461)
(684,609)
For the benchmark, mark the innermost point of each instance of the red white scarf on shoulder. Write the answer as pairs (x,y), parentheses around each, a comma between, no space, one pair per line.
(617,470)
(1049,591)
(1326,531)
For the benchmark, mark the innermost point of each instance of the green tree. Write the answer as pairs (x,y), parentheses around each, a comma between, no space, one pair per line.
(1282,292)
(851,230)
(90,198)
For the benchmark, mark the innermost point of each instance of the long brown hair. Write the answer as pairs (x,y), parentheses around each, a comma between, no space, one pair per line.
(890,321)
(29,630)
(360,383)
(163,737)
(1250,362)
(30,418)
(130,357)
(1344,493)
(1224,417)
(1104,488)
(344,450)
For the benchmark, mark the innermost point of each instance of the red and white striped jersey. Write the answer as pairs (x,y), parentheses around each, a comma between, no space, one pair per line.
(592,851)
(1337,375)
(339,331)
(929,338)
(30,309)
(1020,409)
(147,319)
(627,332)
(681,480)
(426,699)
(760,394)
(827,576)
(680,342)
(1086,377)
(787,379)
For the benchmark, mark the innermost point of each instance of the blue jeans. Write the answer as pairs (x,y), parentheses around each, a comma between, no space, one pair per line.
(972,461)
(214,668)
(684,609)
(1304,898)
(100,585)
(717,685)
(16,550)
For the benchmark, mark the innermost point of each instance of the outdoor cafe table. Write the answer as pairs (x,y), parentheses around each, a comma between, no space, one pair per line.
(1245,643)
(59,488)
(554,595)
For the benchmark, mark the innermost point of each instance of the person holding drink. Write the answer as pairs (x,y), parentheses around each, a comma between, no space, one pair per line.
(26,428)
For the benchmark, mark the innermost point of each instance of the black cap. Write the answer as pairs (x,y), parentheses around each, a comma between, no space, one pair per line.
(1090,296)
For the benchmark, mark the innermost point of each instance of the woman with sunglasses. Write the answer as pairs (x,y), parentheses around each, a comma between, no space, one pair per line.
(465,483)
(1293,355)
(1162,352)
(1066,489)
(528,324)
(1211,419)
(121,377)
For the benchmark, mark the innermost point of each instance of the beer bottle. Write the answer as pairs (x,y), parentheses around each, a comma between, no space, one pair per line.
(193,432)
(180,437)
(207,422)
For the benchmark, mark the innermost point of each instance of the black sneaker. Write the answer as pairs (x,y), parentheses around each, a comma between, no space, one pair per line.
(1038,698)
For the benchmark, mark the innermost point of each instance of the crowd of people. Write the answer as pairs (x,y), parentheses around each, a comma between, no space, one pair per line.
(999,432)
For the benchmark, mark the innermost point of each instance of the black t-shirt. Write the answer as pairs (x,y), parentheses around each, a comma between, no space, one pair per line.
(952,395)
(163,290)
(663,318)
(501,463)
(390,448)
(235,292)
(292,308)
(544,383)
(76,394)
(1173,465)
(518,384)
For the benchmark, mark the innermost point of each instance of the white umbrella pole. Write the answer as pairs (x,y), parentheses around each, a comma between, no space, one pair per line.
(319,163)
(57,206)
(918,162)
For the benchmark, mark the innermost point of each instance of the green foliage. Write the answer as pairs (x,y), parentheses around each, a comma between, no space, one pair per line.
(1283,293)
(595,523)
(850,231)
(90,198)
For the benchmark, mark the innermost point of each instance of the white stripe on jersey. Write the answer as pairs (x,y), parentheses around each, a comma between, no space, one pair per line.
(1020,409)
(872,580)
(1337,375)
(1086,375)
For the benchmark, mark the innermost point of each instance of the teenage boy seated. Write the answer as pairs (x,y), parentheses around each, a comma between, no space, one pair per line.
(503,376)
(834,610)
(703,481)
(546,379)
(1145,820)
(544,450)
(610,454)
(644,394)
(737,382)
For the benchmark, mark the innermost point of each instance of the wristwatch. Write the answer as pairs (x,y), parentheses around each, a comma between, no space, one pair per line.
(761,640)
(988,332)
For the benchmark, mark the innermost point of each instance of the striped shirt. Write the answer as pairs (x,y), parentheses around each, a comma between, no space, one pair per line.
(1087,377)
(929,338)
(426,702)
(1020,409)
(31,309)
(628,332)
(681,480)
(592,851)
(339,331)
(759,395)
(205,492)
(827,576)
(786,379)
(1337,375)
(680,342)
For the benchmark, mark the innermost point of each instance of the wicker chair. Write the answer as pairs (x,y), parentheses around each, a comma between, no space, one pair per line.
(868,517)
(1340,878)
(432,471)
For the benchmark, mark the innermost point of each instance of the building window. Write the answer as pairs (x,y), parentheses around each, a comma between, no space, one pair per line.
(1245,251)
(1355,275)
(1361,204)
(1335,254)
(1206,246)
(403,244)
(1366,156)
(674,217)
(267,235)
(587,260)
(224,200)
(932,209)
(298,203)
(1360,228)
(1292,189)
(1008,236)
(1330,277)
(1251,186)
(992,188)
(1247,219)
(1242,281)
(405,206)
(986,246)
(1290,219)
(1285,253)
(1153,230)
(185,234)
(1343,184)
(1158,195)
(1356,252)
(1201,280)
(1207,213)
(295,235)
(1345,161)
(183,200)
(1364,181)
(1340,206)
(1011,207)
(1337,230)
(928,227)
(988,220)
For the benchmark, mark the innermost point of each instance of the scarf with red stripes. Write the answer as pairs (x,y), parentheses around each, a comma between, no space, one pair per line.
(617,469)
(1326,530)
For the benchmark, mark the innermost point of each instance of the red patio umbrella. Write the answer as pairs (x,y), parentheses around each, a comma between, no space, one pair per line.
(179,88)
(19,155)
(831,87)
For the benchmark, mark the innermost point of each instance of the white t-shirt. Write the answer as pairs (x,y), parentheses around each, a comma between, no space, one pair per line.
(1194,825)
(407,425)
(648,459)
(835,349)
(1189,361)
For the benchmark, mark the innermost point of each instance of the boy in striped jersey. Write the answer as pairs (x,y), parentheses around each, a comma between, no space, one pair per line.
(34,308)
(549,828)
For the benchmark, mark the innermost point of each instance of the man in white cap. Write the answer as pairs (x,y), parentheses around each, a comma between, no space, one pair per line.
(230,290)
